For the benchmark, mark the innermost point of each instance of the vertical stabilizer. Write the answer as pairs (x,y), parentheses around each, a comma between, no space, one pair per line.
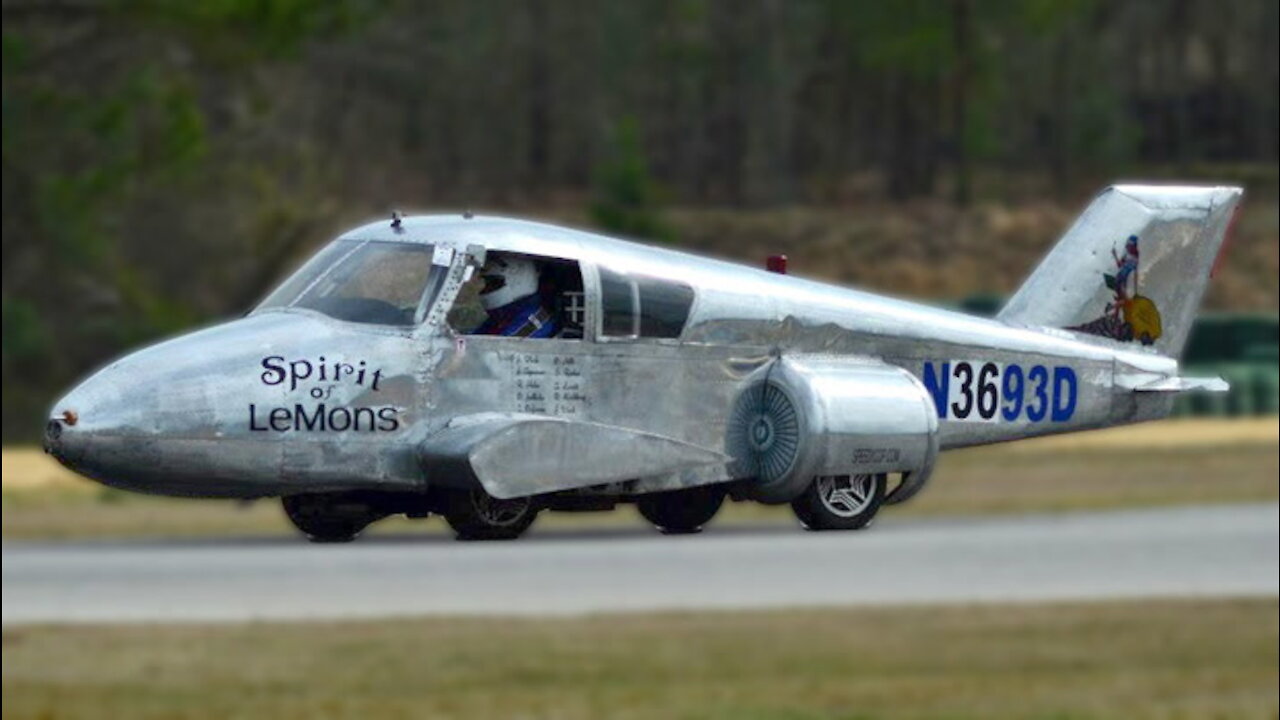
(1133,268)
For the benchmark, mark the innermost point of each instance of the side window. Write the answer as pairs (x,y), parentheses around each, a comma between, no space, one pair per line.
(642,306)
(467,312)
(664,307)
(523,296)
(618,300)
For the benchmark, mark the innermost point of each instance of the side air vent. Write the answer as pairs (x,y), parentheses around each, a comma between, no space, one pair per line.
(764,433)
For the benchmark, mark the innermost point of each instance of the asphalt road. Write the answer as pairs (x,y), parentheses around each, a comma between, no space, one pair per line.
(1218,550)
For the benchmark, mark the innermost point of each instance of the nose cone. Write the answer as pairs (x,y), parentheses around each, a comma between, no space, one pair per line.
(94,411)
(53,442)
(156,420)
(112,401)
(67,450)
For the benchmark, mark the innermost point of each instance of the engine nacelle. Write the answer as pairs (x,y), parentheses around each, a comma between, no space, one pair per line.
(812,416)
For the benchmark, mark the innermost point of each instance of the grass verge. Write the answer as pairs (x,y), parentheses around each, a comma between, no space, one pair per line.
(1169,463)
(1133,660)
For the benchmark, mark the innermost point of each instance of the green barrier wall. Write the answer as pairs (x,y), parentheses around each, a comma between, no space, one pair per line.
(1255,390)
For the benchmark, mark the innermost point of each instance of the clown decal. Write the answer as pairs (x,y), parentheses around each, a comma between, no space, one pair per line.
(1127,316)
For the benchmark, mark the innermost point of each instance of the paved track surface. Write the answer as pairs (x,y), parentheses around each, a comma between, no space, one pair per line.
(1202,551)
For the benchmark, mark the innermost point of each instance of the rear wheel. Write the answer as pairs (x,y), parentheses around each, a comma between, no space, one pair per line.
(840,502)
(328,517)
(679,512)
(477,515)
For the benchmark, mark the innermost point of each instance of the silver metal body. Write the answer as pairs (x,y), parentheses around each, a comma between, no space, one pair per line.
(876,384)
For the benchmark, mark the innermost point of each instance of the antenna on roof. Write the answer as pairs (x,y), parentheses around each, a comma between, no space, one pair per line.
(396,219)
(467,214)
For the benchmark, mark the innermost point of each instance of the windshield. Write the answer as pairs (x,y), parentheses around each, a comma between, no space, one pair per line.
(364,281)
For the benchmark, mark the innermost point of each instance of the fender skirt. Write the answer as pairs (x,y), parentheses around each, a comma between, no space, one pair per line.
(516,455)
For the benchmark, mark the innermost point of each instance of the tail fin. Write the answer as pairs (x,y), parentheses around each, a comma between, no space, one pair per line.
(1133,267)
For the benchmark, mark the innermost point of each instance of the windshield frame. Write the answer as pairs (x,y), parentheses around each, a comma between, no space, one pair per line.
(333,256)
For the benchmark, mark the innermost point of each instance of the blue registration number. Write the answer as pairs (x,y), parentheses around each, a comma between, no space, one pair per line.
(983,391)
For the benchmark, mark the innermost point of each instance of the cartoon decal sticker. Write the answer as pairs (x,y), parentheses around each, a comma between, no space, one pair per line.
(1129,316)
(982,391)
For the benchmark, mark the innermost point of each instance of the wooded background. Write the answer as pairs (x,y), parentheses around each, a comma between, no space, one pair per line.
(164,162)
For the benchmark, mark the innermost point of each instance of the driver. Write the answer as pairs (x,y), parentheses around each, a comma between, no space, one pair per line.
(510,297)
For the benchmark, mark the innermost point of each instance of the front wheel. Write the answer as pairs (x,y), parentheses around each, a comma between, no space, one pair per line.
(840,502)
(477,515)
(328,517)
(679,512)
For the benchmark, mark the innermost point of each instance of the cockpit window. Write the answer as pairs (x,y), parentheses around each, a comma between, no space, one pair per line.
(364,281)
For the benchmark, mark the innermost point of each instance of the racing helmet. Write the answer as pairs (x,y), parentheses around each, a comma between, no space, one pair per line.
(507,279)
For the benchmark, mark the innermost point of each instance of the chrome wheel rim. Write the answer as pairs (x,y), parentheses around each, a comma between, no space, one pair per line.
(846,495)
(499,513)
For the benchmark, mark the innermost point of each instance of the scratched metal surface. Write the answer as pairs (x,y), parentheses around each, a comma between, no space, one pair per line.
(196,416)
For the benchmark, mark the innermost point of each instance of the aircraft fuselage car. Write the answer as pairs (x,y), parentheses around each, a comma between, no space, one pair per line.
(360,389)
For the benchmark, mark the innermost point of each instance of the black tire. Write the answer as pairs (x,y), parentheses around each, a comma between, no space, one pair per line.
(840,502)
(679,512)
(477,515)
(328,517)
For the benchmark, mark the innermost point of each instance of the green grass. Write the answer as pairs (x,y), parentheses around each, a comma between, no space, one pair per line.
(1132,660)
(1002,479)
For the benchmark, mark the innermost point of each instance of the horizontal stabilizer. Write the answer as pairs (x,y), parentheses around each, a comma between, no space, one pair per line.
(1175,384)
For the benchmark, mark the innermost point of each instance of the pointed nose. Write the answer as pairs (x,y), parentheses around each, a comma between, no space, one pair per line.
(146,422)
(91,428)
(172,418)
(54,444)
